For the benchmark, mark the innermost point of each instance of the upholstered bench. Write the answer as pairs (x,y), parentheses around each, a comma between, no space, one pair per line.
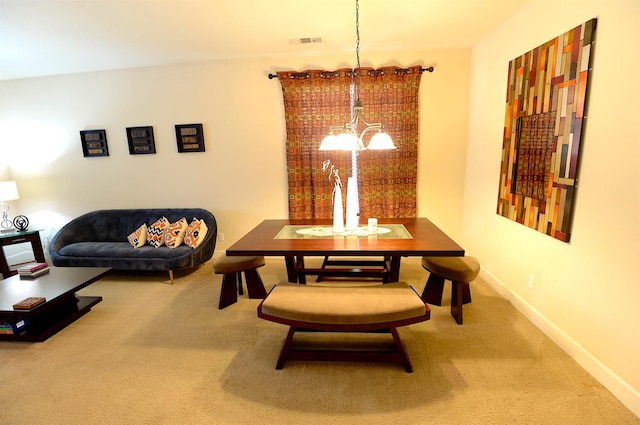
(460,271)
(232,268)
(340,308)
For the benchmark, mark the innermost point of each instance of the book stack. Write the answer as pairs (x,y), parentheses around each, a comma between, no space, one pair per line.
(29,303)
(33,269)
(13,326)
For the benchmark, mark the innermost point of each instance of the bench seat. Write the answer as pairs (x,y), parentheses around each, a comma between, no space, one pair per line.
(342,308)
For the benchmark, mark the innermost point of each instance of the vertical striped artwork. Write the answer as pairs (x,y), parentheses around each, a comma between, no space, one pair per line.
(544,119)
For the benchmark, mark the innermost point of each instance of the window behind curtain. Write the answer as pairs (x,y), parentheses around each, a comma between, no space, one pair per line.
(313,101)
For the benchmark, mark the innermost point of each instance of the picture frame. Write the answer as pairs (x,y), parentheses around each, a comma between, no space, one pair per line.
(190,138)
(141,140)
(94,143)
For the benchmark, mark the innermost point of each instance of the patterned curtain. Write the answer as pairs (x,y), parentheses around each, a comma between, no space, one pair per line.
(388,178)
(313,101)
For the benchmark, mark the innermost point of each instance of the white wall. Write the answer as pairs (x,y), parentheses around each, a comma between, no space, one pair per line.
(586,291)
(241,177)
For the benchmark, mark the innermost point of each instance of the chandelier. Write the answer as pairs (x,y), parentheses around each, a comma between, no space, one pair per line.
(346,137)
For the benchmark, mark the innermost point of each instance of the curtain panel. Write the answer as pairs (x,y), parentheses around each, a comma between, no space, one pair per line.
(314,100)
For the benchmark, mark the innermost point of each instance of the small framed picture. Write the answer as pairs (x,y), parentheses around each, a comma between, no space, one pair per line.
(190,138)
(94,143)
(141,140)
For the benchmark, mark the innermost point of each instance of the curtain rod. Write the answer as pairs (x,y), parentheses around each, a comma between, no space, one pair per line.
(427,69)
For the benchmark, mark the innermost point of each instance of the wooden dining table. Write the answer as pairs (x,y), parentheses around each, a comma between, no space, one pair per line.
(391,240)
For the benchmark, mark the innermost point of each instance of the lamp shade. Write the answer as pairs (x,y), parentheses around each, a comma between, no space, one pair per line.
(8,191)
(381,141)
(329,143)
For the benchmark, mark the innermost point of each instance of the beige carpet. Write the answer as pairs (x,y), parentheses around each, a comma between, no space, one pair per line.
(152,353)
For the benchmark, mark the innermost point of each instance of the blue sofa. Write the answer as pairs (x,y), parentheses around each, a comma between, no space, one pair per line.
(99,239)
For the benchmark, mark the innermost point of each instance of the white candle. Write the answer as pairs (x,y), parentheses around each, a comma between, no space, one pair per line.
(352,204)
(338,217)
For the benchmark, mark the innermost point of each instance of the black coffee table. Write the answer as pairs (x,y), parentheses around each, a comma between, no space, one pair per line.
(62,306)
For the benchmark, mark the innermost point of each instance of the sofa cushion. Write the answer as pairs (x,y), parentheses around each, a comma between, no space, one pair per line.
(139,236)
(156,232)
(196,233)
(175,234)
(118,250)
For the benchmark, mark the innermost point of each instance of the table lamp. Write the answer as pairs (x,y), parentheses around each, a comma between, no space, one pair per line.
(8,192)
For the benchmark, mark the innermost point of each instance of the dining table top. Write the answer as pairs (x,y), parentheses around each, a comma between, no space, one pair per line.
(286,237)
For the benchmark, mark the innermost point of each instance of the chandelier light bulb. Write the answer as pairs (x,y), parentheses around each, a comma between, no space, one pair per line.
(347,142)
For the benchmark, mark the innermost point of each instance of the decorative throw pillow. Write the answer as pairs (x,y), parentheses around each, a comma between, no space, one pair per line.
(175,234)
(156,232)
(139,237)
(196,232)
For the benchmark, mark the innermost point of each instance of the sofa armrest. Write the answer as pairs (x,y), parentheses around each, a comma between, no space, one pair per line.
(78,230)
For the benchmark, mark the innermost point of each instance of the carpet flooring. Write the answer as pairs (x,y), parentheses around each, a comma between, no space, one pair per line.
(154,353)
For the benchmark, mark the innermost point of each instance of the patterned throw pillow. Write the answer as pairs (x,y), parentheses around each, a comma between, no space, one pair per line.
(139,237)
(175,234)
(156,232)
(196,232)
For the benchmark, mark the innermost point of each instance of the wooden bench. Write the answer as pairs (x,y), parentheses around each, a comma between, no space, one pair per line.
(340,308)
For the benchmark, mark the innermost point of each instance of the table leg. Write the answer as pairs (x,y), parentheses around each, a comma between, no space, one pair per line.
(292,273)
(36,246)
(394,269)
(4,267)
(300,270)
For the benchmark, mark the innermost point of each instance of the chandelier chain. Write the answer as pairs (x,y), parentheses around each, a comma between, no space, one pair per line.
(357,82)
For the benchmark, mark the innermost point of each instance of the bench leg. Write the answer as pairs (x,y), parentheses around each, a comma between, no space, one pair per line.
(398,356)
(460,294)
(229,290)
(432,292)
(171,276)
(239,281)
(466,293)
(401,351)
(255,287)
(285,348)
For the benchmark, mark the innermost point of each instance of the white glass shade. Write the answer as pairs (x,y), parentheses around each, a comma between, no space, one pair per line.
(8,191)
(381,141)
(329,143)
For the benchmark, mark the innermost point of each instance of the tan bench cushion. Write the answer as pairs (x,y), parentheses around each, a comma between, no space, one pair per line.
(231,264)
(458,269)
(341,305)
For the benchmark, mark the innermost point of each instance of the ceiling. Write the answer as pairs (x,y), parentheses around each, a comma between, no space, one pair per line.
(49,37)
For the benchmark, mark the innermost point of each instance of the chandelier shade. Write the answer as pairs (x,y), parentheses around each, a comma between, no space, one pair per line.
(381,141)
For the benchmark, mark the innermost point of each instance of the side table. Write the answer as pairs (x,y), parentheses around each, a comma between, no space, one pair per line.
(13,238)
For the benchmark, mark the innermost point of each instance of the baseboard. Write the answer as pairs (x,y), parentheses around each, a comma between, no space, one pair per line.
(616,385)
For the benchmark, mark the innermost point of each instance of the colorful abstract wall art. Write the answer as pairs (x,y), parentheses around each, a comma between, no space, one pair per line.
(543,129)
